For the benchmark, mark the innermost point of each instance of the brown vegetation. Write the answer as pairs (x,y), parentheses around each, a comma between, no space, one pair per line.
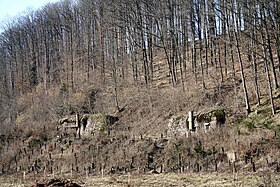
(132,61)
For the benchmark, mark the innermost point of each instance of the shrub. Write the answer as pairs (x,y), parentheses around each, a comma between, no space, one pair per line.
(249,125)
(34,143)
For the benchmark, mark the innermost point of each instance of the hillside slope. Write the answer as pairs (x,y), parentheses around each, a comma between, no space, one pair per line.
(139,142)
(71,79)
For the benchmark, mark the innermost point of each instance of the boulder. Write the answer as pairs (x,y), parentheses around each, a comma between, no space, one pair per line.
(92,123)
(211,118)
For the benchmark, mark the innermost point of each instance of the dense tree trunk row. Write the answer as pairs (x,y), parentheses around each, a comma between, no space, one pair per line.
(67,42)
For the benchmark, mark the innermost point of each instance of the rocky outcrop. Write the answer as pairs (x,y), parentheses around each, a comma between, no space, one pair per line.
(205,120)
(178,125)
(210,118)
(88,124)
(93,123)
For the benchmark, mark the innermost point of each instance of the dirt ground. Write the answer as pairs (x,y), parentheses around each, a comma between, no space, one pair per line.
(171,179)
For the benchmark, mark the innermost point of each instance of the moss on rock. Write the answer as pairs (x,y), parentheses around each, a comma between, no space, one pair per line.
(98,118)
(208,115)
(97,122)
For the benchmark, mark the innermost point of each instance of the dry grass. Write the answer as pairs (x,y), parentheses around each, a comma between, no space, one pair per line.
(170,179)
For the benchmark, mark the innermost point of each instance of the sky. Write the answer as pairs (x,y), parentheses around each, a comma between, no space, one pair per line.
(11,8)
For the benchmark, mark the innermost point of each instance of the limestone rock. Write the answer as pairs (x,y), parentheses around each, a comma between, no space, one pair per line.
(205,120)
(212,118)
(178,125)
(68,119)
(88,123)
(96,123)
